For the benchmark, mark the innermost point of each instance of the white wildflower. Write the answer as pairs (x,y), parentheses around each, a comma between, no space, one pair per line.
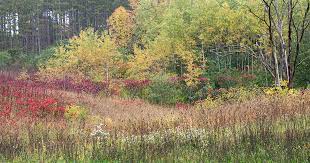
(99,132)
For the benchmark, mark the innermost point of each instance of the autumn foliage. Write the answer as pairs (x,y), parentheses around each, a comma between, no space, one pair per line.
(121,24)
(166,81)
(88,56)
(23,99)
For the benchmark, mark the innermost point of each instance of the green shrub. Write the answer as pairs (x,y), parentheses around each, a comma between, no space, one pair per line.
(240,94)
(5,59)
(231,95)
(162,91)
(76,113)
(33,61)
(18,59)
(134,88)
(15,54)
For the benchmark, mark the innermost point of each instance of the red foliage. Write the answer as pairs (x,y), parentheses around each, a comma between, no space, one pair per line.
(21,99)
(248,77)
(177,79)
(136,84)
(203,79)
(182,106)
(66,83)
(224,80)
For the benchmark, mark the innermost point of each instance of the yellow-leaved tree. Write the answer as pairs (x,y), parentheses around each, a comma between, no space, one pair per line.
(151,60)
(121,26)
(90,55)
(157,57)
(167,44)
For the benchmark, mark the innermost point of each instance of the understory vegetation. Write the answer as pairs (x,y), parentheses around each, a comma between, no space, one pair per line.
(44,122)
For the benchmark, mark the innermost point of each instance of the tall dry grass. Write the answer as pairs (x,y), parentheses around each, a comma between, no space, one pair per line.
(122,112)
(273,128)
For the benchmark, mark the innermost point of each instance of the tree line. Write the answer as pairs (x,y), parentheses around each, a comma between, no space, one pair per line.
(186,38)
(33,25)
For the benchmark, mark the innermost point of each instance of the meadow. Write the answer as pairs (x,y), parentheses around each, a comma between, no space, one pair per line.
(48,122)
(155,81)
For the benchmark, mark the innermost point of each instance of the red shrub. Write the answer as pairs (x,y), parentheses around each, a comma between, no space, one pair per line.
(136,84)
(25,99)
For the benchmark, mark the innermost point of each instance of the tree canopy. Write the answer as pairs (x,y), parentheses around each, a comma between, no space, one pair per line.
(189,39)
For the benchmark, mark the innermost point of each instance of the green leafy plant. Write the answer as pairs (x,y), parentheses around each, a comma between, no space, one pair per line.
(282,90)
(162,91)
(76,113)
(5,59)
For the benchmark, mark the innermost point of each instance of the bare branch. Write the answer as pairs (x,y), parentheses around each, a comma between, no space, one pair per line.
(261,58)
(303,60)
(304,23)
(261,19)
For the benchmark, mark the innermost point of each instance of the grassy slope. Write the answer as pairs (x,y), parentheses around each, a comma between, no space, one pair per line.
(266,128)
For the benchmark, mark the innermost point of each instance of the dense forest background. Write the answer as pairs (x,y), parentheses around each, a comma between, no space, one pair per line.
(220,43)
(33,25)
